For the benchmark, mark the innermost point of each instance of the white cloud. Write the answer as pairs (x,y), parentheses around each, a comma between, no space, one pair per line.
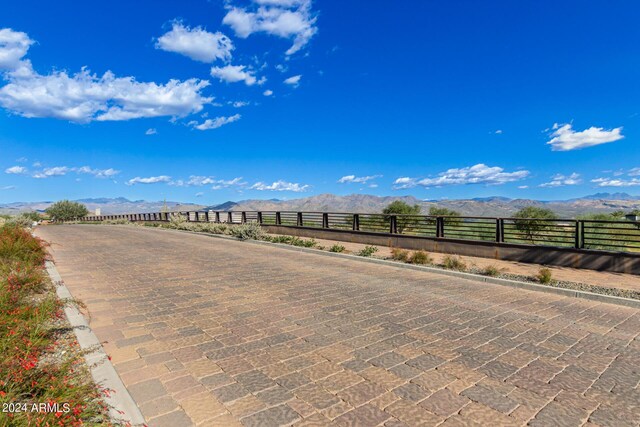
(8,187)
(149,180)
(560,180)
(151,131)
(234,74)
(564,138)
(612,182)
(499,132)
(289,19)
(280,186)
(357,179)
(83,97)
(98,173)
(54,171)
(215,123)
(235,182)
(477,174)
(293,81)
(13,47)
(196,43)
(268,92)
(523,187)
(199,194)
(16,170)
(240,104)
(634,172)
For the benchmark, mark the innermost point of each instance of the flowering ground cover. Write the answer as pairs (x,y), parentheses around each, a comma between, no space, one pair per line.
(43,378)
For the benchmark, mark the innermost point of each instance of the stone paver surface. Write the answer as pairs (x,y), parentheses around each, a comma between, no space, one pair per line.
(208,332)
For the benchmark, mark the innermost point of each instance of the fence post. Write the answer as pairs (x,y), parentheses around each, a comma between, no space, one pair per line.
(278,219)
(299,219)
(229,217)
(218,217)
(260,218)
(393,224)
(243,217)
(325,220)
(499,230)
(356,222)
(439,226)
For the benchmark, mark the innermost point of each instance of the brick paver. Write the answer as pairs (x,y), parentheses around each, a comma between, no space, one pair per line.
(214,332)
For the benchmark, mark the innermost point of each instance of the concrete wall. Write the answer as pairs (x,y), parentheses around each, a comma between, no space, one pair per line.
(563,257)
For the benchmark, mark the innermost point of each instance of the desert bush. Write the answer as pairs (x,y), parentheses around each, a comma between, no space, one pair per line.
(491,270)
(23,221)
(65,210)
(532,221)
(544,276)
(336,248)
(399,207)
(399,254)
(368,251)
(248,231)
(420,257)
(116,221)
(454,262)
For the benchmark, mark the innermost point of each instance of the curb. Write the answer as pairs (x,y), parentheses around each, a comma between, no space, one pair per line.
(122,407)
(574,293)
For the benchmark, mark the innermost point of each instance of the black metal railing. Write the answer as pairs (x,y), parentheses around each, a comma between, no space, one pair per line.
(619,236)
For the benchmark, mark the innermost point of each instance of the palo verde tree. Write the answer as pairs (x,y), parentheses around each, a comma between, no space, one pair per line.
(398,207)
(451,217)
(533,221)
(65,210)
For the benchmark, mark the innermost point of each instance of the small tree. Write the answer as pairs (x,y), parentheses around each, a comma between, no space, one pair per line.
(533,221)
(398,207)
(452,217)
(66,210)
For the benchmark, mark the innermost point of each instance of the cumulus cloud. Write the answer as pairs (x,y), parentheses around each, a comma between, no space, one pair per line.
(83,97)
(280,186)
(239,104)
(634,172)
(149,180)
(215,123)
(268,92)
(13,47)
(234,74)
(560,180)
(564,138)
(51,172)
(151,131)
(293,81)
(477,174)
(289,19)
(196,43)
(614,182)
(357,179)
(16,170)
(222,183)
(98,173)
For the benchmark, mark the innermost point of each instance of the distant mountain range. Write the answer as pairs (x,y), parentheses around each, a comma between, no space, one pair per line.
(107,206)
(481,206)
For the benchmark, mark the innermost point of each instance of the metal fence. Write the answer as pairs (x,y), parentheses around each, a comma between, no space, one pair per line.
(619,236)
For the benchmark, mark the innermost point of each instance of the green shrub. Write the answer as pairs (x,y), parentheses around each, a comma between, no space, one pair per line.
(251,230)
(420,257)
(117,221)
(22,220)
(398,207)
(399,254)
(336,248)
(454,263)
(544,276)
(532,222)
(491,270)
(368,251)
(65,210)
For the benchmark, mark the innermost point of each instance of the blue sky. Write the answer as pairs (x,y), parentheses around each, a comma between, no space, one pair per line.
(207,101)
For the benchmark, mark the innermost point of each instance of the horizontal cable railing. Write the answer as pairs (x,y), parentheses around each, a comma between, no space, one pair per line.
(583,234)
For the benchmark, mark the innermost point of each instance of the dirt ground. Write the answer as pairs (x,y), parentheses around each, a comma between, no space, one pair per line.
(590,277)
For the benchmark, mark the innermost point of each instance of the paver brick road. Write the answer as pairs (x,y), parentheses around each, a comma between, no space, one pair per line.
(206,331)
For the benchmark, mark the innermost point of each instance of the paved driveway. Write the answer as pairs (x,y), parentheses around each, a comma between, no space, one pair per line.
(215,332)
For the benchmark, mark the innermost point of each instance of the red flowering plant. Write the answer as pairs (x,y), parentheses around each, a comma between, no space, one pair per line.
(33,369)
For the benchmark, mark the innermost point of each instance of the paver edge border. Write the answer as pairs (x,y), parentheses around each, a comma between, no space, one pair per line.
(574,293)
(122,406)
